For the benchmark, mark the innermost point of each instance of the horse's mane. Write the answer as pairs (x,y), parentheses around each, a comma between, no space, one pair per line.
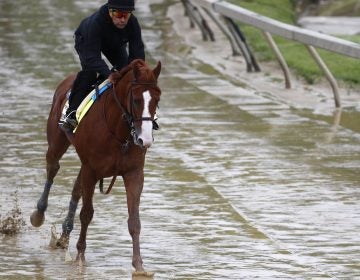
(138,66)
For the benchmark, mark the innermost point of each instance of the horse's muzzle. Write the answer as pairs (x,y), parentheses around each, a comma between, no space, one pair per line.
(143,136)
(140,142)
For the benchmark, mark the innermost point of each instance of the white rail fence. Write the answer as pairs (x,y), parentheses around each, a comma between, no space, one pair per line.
(310,39)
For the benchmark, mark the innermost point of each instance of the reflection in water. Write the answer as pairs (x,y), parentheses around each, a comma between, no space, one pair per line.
(335,127)
(237,186)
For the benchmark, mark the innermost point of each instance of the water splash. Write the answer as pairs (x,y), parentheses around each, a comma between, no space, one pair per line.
(13,221)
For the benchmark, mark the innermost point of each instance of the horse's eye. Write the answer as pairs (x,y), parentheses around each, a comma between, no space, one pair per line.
(137,102)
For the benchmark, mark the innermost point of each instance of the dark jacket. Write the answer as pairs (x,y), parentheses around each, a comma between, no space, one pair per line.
(97,34)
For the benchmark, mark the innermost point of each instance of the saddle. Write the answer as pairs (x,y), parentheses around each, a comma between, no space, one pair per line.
(88,101)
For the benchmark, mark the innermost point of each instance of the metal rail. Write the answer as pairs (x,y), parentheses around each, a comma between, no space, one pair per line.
(309,38)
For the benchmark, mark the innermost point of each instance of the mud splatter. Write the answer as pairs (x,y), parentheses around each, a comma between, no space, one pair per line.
(13,221)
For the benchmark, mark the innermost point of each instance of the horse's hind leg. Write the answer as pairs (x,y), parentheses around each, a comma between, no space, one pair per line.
(68,223)
(54,153)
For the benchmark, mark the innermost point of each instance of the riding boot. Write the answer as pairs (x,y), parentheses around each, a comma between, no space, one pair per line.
(70,122)
(81,87)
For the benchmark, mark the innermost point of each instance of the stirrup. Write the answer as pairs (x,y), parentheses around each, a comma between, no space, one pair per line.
(69,124)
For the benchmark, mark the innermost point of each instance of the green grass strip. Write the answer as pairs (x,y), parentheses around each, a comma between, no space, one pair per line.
(344,68)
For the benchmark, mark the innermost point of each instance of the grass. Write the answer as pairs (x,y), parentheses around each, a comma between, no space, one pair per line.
(344,68)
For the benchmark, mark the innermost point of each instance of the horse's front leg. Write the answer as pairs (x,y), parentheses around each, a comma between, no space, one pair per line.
(68,224)
(88,181)
(134,185)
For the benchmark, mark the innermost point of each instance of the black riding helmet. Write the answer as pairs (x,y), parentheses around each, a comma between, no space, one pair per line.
(123,5)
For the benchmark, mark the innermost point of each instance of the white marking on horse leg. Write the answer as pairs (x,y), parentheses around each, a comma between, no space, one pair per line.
(146,127)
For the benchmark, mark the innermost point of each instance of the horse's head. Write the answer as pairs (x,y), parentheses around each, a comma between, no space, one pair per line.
(141,96)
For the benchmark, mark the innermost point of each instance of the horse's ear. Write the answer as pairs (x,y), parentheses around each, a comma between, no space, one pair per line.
(157,70)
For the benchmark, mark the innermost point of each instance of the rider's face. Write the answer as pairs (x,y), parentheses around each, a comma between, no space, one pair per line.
(119,18)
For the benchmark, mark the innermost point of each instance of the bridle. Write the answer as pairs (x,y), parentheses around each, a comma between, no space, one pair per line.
(130,120)
(129,116)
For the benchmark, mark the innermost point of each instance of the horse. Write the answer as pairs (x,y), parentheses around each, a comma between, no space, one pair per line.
(111,140)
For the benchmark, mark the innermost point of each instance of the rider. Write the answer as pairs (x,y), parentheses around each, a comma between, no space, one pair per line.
(108,31)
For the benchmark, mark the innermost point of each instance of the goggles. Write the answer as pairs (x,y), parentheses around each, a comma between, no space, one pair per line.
(119,14)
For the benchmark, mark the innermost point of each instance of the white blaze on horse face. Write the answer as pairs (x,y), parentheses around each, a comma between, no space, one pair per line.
(146,126)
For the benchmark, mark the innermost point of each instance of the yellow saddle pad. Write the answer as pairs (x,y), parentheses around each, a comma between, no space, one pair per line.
(90,99)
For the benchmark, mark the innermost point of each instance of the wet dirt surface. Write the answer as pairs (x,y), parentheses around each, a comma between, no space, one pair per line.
(240,183)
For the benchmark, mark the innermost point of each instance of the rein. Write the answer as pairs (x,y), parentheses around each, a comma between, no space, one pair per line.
(101,185)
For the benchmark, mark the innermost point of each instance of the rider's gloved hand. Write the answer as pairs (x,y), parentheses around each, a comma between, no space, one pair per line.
(112,78)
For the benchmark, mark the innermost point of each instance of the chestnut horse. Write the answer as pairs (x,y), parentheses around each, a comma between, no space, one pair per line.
(111,140)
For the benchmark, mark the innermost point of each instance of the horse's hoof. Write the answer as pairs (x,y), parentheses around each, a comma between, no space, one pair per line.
(142,275)
(37,218)
(63,241)
(80,259)
(61,244)
(58,243)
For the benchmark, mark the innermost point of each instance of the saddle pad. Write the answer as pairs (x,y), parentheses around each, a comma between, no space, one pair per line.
(90,99)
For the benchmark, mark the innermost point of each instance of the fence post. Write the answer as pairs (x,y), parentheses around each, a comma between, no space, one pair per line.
(195,16)
(234,47)
(241,40)
(279,57)
(327,73)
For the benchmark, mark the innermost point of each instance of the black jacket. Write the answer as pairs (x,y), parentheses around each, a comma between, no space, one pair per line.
(97,34)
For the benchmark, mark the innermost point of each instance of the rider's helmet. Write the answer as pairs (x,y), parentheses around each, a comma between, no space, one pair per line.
(123,5)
